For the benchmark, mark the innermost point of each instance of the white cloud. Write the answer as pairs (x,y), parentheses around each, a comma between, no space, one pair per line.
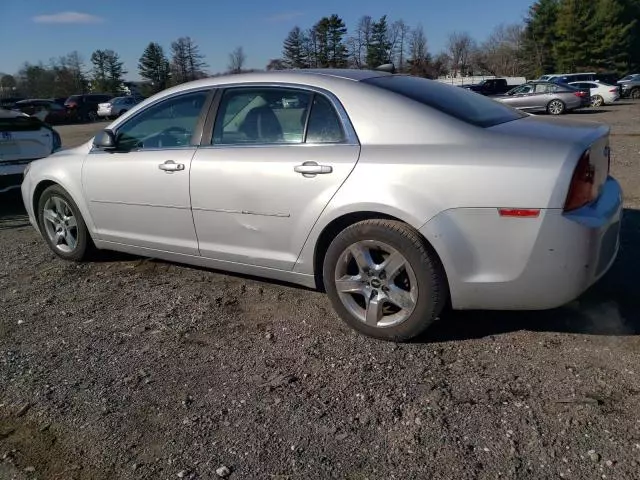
(284,17)
(67,17)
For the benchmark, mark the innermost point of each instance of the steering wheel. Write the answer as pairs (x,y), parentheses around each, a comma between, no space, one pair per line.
(172,136)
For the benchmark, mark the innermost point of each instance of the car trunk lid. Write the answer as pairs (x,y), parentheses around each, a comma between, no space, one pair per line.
(584,137)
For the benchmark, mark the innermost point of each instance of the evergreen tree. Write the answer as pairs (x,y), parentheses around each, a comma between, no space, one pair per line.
(539,39)
(154,67)
(379,46)
(99,71)
(293,51)
(337,50)
(613,29)
(575,35)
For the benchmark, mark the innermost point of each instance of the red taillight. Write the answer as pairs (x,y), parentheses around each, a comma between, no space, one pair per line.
(519,212)
(613,90)
(580,94)
(581,190)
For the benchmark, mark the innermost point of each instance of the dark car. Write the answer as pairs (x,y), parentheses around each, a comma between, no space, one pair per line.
(630,86)
(49,111)
(491,86)
(8,102)
(84,108)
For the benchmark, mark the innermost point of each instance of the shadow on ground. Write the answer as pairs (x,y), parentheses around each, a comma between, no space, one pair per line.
(12,212)
(610,307)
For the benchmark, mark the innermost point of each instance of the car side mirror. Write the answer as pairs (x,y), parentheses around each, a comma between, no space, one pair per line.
(105,140)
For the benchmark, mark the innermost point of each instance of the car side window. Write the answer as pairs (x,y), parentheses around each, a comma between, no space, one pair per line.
(542,88)
(167,124)
(324,126)
(261,116)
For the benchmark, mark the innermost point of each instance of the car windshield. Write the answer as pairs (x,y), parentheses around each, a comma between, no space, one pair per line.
(459,103)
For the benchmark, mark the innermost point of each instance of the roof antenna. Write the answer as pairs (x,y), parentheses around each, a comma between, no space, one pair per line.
(387,67)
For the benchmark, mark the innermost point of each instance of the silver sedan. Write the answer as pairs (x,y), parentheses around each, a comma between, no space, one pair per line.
(394,194)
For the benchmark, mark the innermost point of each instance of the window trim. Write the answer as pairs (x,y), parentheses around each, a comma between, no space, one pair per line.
(196,137)
(351,137)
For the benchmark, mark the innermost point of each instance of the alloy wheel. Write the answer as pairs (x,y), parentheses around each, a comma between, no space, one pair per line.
(556,107)
(597,101)
(376,283)
(60,224)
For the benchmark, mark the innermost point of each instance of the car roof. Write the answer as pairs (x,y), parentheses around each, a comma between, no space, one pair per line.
(320,76)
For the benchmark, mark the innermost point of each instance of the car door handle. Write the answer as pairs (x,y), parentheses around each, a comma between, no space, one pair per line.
(312,168)
(170,166)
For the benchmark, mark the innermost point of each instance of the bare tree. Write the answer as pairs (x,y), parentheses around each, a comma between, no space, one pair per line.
(460,46)
(401,32)
(418,52)
(499,54)
(237,59)
(358,45)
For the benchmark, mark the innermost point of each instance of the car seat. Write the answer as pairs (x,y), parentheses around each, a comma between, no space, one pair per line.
(262,125)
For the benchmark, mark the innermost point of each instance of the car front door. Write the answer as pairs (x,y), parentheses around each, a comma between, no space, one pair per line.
(138,194)
(277,156)
(519,97)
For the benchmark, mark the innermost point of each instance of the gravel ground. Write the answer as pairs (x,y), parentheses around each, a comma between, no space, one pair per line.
(131,368)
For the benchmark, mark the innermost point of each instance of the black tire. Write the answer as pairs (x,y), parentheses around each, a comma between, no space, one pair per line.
(432,288)
(597,101)
(635,93)
(84,247)
(551,107)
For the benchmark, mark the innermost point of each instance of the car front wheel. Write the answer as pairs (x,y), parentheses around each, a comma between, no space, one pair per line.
(62,225)
(383,280)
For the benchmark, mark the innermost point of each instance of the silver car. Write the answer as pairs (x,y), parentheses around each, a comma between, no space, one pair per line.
(549,97)
(394,194)
(117,106)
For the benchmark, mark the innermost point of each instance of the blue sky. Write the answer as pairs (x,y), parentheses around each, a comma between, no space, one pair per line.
(34,30)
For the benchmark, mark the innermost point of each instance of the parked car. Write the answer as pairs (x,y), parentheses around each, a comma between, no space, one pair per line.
(601,93)
(22,140)
(608,77)
(437,196)
(8,102)
(630,86)
(547,97)
(84,108)
(490,86)
(117,106)
(46,110)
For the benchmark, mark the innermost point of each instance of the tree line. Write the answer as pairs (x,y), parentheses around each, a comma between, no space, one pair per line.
(555,36)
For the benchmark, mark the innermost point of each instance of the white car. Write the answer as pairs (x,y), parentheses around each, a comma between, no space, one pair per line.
(22,139)
(601,93)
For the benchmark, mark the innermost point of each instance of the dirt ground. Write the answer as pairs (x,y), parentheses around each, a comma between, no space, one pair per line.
(128,368)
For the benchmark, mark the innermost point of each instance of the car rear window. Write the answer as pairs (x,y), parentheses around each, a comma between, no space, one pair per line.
(460,103)
(19,124)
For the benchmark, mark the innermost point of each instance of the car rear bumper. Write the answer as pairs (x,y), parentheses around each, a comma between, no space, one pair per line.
(499,263)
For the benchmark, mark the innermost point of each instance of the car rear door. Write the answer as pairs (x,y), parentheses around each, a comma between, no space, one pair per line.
(276,157)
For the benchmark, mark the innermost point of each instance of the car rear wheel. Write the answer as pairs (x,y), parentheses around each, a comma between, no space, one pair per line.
(635,93)
(92,116)
(597,101)
(383,280)
(62,225)
(556,107)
